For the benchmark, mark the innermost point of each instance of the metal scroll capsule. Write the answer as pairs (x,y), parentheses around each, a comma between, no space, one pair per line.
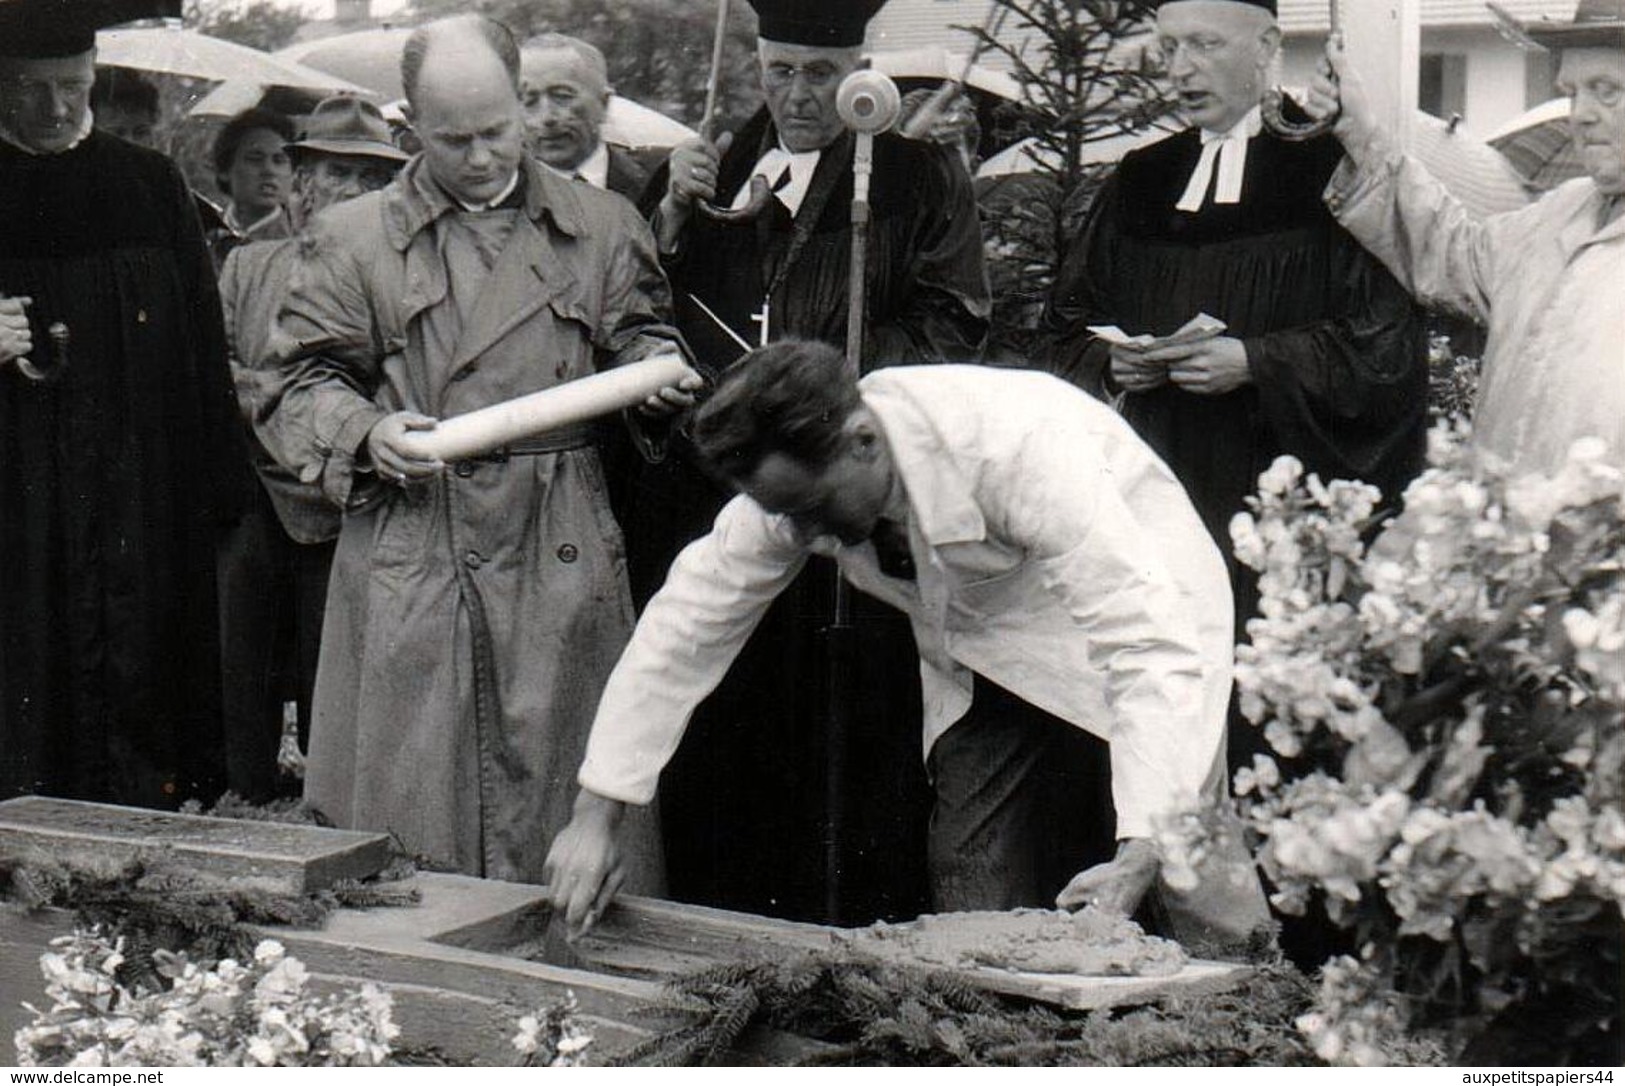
(1298,131)
(56,351)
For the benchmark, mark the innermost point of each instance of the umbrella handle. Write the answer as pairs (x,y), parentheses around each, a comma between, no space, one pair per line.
(760,194)
(1299,131)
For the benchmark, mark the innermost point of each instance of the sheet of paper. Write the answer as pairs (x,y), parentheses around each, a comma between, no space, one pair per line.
(1201,326)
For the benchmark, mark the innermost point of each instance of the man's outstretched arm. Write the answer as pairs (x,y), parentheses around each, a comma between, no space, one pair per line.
(716,593)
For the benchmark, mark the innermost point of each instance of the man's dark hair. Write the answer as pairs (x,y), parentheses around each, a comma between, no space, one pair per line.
(792,397)
(237,129)
(416,50)
(124,88)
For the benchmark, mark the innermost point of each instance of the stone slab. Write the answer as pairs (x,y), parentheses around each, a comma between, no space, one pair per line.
(269,855)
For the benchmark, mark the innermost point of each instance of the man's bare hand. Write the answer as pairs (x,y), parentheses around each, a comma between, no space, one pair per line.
(1118,886)
(673,399)
(1337,88)
(584,869)
(15,338)
(393,461)
(693,170)
(1133,373)
(1207,367)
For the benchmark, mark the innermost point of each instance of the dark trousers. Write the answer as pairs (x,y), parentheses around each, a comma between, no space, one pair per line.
(272,595)
(1023,803)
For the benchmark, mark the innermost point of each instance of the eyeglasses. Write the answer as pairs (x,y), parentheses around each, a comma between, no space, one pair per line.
(819,73)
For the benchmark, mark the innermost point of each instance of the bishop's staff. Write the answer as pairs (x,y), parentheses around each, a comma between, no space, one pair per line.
(868,104)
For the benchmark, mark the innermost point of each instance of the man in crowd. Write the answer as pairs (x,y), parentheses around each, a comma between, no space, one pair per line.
(274,568)
(564,85)
(125,104)
(120,456)
(251,167)
(475,609)
(1323,355)
(1049,552)
(1548,280)
(736,284)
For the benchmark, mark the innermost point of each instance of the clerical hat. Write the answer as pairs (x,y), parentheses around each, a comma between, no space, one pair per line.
(65,28)
(1264,5)
(829,23)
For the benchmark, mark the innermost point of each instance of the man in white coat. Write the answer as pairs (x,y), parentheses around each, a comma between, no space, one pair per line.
(1041,549)
(1547,279)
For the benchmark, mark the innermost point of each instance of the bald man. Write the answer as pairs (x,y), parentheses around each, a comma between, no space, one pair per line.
(475,608)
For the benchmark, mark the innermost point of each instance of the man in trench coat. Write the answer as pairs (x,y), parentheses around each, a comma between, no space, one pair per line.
(475,609)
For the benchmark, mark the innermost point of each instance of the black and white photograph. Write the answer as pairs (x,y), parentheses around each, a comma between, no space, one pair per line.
(812,534)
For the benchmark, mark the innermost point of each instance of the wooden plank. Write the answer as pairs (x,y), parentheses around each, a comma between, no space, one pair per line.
(271,855)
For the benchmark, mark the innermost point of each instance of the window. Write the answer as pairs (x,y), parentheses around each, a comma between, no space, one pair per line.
(1443,85)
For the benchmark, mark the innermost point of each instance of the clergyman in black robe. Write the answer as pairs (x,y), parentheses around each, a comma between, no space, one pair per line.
(744,801)
(1335,348)
(116,474)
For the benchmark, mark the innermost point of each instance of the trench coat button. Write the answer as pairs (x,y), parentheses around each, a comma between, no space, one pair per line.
(463,469)
(473,560)
(568,552)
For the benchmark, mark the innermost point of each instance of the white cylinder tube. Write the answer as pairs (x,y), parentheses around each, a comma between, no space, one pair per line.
(490,428)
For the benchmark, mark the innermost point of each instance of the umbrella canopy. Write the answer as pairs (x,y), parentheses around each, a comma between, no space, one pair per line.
(1540,145)
(626,124)
(937,63)
(1470,170)
(1475,173)
(371,58)
(173,50)
(1027,155)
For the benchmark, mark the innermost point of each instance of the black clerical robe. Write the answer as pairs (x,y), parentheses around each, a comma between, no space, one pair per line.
(751,772)
(115,478)
(1335,345)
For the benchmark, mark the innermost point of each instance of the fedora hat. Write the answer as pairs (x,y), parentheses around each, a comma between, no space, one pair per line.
(1597,24)
(345,125)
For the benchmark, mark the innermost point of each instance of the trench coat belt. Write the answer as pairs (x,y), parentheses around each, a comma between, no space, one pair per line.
(574,437)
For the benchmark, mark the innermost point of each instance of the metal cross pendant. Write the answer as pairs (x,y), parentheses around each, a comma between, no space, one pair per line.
(761,318)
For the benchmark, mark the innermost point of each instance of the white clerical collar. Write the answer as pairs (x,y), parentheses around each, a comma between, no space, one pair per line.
(494,202)
(85,127)
(594,169)
(790,190)
(1229,150)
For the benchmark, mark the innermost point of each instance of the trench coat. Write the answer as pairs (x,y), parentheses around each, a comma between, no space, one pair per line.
(472,619)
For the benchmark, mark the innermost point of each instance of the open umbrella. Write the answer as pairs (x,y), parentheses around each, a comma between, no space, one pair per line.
(1027,155)
(1540,146)
(1470,170)
(937,63)
(371,58)
(170,49)
(1473,171)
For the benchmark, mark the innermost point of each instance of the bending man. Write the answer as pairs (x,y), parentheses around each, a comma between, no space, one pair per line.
(1047,560)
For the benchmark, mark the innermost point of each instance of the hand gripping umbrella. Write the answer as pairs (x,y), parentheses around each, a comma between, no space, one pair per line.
(1275,98)
(760,191)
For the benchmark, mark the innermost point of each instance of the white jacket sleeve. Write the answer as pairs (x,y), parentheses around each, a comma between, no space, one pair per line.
(717,591)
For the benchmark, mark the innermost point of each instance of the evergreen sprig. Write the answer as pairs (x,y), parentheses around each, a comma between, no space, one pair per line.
(874,1014)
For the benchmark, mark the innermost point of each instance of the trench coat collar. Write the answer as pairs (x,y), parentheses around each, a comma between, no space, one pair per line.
(415,201)
(941,500)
